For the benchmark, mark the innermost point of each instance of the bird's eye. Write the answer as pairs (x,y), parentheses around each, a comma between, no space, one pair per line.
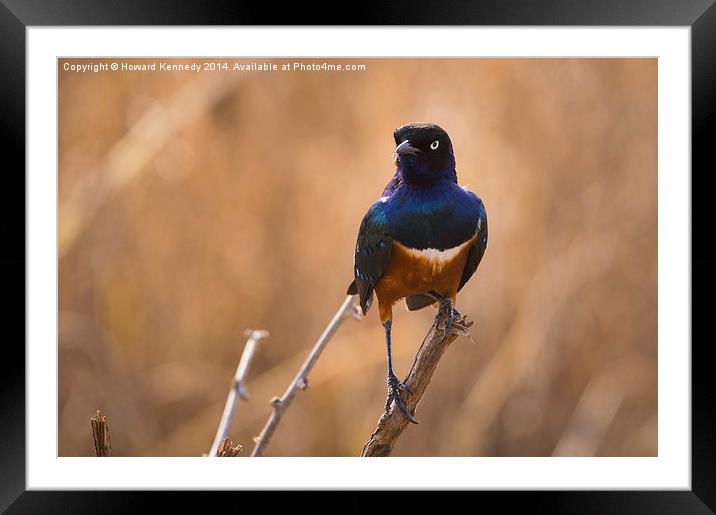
(434,145)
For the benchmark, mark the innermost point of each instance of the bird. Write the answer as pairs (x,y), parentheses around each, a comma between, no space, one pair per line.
(421,241)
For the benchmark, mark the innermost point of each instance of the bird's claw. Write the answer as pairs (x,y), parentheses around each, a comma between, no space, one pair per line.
(394,389)
(453,320)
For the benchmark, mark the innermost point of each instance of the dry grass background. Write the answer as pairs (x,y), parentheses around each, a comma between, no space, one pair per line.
(246,216)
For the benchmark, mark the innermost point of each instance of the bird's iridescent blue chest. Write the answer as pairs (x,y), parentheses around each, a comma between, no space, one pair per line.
(440,216)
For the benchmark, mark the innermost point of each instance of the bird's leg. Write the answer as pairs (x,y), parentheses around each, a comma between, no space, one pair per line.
(394,385)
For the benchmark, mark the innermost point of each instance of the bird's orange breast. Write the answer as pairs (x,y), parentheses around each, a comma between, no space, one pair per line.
(412,272)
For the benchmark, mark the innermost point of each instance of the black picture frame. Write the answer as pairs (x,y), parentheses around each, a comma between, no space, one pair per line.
(17,15)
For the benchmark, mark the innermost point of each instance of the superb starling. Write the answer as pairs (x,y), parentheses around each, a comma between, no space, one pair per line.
(422,240)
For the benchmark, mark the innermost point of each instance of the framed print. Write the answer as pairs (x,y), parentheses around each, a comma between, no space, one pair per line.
(272,241)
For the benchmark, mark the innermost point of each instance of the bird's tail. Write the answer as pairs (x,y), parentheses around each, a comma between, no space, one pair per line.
(365,292)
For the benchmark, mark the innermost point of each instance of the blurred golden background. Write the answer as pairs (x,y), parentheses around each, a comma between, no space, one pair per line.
(195,205)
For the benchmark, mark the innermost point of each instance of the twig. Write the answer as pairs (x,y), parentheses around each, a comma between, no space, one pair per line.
(300,382)
(391,426)
(100,435)
(238,390)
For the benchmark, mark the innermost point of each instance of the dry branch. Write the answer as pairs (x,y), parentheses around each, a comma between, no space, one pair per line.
(391,426)
(300,382)
(130,155)
(594,414)
(100,435)
(228,449)
(237,391)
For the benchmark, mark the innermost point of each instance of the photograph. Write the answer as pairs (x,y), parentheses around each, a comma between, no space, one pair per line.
(458,238)
(290,257)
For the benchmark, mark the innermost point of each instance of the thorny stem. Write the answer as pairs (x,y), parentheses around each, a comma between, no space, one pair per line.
(300,382)
(238,388)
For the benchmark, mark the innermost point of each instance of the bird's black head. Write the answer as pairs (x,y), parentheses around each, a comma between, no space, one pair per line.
(424,152)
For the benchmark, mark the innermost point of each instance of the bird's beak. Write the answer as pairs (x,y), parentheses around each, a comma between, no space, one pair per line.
(406,148)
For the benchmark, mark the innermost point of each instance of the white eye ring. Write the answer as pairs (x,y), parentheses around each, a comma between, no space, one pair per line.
(434,145)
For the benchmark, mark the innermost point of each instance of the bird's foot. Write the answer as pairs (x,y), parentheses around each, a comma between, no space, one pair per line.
(452,321)
(394,389)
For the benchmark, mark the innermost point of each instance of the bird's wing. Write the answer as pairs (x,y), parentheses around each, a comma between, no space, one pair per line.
(478,247)
(372,253)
